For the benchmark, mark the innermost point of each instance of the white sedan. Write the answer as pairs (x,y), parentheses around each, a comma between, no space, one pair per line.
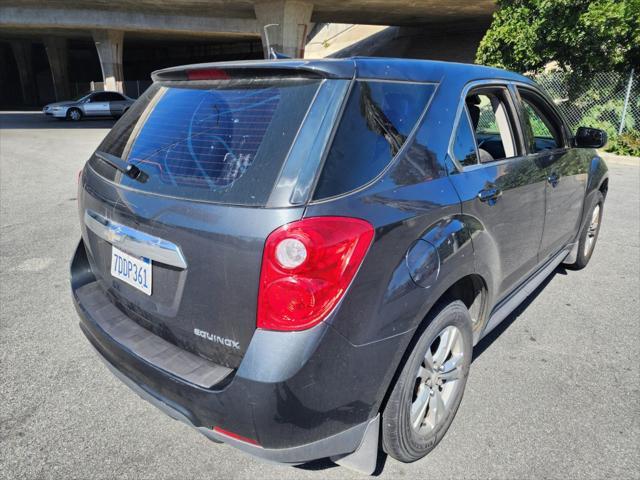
(95,104)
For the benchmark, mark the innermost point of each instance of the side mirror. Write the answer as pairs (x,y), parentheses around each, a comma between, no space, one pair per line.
(590,138)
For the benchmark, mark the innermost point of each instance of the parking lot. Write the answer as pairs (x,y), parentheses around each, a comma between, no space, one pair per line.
(553,392)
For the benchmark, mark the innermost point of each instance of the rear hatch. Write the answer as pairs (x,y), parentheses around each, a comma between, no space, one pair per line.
(179,248)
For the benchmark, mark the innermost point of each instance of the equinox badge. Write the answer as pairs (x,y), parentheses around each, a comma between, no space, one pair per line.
(217,339)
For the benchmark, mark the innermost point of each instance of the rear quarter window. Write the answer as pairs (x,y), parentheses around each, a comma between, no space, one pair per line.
(378,118)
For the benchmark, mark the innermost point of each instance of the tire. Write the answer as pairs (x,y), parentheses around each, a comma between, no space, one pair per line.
(74,114)
(401,438)
(589,234)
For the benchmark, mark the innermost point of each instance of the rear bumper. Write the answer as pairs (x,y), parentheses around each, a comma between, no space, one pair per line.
(300,396)
(334,446)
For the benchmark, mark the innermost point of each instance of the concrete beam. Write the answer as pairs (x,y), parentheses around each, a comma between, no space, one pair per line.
(288,23)
(453,43)
(22,53)
(56,48)
(370,12)
(59,18)
(109,44)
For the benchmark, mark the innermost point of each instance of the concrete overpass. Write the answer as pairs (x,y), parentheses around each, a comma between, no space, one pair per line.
(288,24)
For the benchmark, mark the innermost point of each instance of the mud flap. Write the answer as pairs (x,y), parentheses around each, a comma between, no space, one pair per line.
(365,458)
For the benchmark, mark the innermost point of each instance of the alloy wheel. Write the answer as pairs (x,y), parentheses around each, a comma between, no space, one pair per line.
(437,381)
(592,231)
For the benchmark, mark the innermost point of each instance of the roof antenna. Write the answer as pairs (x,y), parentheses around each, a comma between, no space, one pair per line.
(272,54)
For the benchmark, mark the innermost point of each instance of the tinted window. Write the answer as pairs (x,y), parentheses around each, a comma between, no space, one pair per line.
(114,97)
(377,119)
(118,137)
(99,97)
(543,134)
(464,145)
(224,144)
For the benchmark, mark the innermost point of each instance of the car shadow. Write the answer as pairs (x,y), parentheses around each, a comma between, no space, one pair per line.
(486,342)
(25,120)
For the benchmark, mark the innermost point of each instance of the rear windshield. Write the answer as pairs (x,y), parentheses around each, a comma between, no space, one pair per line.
(223,142)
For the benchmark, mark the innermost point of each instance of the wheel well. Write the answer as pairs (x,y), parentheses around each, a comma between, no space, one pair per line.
(604,187)
(472,291)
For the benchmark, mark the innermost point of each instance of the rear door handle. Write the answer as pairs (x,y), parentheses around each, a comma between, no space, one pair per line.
(553,179)
(489,195)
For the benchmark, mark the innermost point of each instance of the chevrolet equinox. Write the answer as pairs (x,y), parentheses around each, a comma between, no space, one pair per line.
(297,258)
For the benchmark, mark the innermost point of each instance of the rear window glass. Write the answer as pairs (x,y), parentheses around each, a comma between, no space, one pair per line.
(223,143)
(378,118)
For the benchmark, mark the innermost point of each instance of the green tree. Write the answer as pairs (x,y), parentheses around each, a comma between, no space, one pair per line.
(582,36)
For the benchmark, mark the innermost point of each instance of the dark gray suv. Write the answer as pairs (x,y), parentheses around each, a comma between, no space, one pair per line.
(297,257)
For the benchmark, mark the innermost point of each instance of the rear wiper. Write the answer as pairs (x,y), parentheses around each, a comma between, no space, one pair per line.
(128,169)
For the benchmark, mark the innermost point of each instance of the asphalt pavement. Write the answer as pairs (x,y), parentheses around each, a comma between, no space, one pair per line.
(553,392)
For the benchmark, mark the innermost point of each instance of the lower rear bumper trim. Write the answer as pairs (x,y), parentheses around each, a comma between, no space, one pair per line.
(340,444)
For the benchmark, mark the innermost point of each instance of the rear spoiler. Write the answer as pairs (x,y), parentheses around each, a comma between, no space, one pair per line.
(259,68)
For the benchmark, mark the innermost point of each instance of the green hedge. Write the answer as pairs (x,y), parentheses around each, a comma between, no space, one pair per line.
(626,144)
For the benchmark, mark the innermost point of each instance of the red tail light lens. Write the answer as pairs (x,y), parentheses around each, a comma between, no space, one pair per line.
(207,74)
(306,268)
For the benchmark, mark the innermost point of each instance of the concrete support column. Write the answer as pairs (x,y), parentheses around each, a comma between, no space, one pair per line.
(22,53)
(56,48)
(109,45)
(291,23)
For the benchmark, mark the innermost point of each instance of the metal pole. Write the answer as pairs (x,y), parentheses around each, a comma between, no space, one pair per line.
(270,53)
(626,103)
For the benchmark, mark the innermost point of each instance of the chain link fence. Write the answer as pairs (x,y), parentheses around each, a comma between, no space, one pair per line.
(609,100)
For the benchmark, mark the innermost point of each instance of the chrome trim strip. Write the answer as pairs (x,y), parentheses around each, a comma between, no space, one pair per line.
(135,242)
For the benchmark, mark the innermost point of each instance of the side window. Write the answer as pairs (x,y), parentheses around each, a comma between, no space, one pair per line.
(492,125)
(99,97)
(464,144)
(378,118)
(543,131)
(113,97)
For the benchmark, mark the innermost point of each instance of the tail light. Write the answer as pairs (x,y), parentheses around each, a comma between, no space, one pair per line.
(306,268)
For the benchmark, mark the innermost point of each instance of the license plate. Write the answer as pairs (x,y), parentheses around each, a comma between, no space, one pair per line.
(136,271)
